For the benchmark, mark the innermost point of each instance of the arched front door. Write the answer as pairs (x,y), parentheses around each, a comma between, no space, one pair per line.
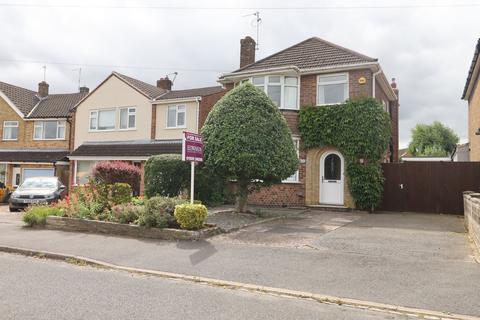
(331,178)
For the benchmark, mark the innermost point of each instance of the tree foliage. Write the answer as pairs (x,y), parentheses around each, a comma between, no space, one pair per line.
(360,129)
(433,140)
(247,138)
(111,172)
(166,175)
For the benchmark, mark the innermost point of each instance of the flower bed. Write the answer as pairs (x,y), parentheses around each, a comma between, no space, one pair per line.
(130,230)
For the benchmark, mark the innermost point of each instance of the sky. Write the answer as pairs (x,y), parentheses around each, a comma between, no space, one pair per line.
(427,45)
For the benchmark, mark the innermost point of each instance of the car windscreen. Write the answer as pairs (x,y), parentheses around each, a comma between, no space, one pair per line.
(38,183)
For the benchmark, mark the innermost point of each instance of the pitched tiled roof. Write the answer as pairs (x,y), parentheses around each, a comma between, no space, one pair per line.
(52,106)
(56,105)
(147,89)
(311,53)
(472,68)
(22,98)
(37,155)
(143,148)
(197,92)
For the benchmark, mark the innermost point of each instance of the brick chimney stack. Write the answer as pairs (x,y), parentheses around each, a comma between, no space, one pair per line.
(247,51)
(165,83)
(84,89)
(42,89)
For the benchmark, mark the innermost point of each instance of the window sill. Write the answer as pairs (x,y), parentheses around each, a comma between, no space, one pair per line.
(173,128)
(291,182)
(9,139)
(109,130)
(129,129)
(59,139)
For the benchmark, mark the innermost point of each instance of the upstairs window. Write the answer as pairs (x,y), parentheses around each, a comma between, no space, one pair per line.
(10,130)
(49,130)
(176,116)
(283,90)
(101,120)
(127,118)
(332,89)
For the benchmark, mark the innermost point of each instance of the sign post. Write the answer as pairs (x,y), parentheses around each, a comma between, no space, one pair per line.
(192,150)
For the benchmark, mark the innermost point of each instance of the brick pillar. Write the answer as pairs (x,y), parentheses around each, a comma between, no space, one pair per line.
(394,111)
(142,178)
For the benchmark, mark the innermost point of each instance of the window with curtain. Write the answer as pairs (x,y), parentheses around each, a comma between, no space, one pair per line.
(332,89)
(49,130)
(176,116)
(128,118)
(283,90)
(84,168)
(10,130)
(102,120)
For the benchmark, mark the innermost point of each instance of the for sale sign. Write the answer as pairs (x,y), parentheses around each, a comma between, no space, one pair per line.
(192,147)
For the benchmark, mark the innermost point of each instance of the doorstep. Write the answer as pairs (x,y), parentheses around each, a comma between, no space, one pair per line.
(328,207)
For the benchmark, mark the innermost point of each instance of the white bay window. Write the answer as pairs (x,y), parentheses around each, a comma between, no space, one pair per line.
(49,130)
(332,89)
(283,90)
(294,178)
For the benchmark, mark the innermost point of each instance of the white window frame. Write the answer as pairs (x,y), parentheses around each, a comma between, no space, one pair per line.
(10,126)
(41,124)
(176,117)
(129,113)
(282,84)
(296,175)
(97,112)
(347,87)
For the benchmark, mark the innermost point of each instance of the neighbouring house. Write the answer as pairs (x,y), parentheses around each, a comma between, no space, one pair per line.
(130,120)
(471,93)
(35,132)
(461,152)
(315,72)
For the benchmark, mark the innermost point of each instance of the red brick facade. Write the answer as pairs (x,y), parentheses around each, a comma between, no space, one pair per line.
(206,104)
(294,193)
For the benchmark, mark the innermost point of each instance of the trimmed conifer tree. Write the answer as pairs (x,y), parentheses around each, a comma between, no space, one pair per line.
(247,139)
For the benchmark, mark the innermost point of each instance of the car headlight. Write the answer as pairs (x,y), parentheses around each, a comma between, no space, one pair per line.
(50,196)
(14,195)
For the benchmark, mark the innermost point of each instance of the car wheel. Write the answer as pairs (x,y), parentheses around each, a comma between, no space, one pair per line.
(12,209)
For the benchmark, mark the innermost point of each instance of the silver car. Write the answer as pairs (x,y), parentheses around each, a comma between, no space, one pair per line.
(36,190)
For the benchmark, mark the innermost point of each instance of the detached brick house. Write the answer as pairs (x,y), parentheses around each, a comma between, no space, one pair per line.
(127,119)
(35,128)
(315,72)
(471,93)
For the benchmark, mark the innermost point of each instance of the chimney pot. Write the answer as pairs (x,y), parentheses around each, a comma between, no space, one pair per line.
(84,89)
(247,51)
(43,89)
(165,83)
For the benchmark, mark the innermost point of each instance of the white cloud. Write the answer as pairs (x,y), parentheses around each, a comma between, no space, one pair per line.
(428,50)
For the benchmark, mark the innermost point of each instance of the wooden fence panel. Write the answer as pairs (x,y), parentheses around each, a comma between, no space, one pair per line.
(428,186)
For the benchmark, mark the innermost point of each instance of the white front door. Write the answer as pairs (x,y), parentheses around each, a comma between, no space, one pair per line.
(331,178)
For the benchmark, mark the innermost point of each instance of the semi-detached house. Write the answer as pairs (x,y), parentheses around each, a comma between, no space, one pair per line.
(130,120)
(35,128)
(315,72)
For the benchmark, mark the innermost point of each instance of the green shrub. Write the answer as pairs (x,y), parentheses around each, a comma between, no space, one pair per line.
(159,212)
(37,215)
(126,213)
(120,193)
(191,216)
(138,201)
(166,175)
(210,187)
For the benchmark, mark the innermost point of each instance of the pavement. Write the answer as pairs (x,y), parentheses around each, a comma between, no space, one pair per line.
(413,260)
(42,289)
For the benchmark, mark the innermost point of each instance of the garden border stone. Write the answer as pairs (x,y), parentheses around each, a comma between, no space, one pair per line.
(129,230)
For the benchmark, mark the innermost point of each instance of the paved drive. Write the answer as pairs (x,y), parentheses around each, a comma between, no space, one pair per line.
(415,260)
(41,289)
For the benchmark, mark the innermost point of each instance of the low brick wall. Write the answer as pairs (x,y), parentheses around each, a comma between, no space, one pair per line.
(79,225)
(471,205)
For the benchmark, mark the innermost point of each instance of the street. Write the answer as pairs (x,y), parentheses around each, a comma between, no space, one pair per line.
(37,289)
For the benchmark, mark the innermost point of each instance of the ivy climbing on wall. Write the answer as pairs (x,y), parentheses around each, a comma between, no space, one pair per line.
(361,130)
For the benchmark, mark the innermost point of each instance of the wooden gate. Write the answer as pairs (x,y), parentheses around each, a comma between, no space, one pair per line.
(428,186)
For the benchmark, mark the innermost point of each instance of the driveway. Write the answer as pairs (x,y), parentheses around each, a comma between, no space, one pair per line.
(415,260)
